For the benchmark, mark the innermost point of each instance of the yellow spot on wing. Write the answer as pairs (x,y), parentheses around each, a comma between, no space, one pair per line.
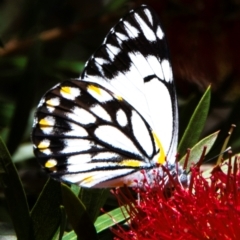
(130,163)
(51,163)
(43,144)
(162,156)
(66,90)
(88,179)
(119,98)
(44,122)
(94,89)
(51,103)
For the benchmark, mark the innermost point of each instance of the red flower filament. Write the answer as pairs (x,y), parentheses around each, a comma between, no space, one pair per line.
(207,209)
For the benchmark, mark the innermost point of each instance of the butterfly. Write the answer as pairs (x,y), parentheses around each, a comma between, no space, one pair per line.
(119,117)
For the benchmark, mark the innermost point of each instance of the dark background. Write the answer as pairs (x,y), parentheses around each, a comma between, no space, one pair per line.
(45,42)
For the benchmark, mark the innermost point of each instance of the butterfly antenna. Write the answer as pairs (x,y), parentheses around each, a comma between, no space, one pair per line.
(218,155)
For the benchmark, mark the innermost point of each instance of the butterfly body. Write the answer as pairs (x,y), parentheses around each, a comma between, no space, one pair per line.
(119,117)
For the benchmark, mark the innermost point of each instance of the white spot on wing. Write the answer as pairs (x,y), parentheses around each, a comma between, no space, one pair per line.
(53,102)
(135,77)
(47,130)
(141,133)
(110,54)
(155,65)
(77,145)
(47,121)
(148,33)
(141,64)
(69,92)
(102,176)
(121,118)
(101,61)
(160,108)
(113,50)
(131,31)
(99,94)
(46,151)
(149,15)
(107,156)
(96,177)
(115,138)
(167,70)
(90,166)
(81,116)
(45,143)
(76,130)
(121,36)
(50,109)
(160,33)
(79,159)
(100,112)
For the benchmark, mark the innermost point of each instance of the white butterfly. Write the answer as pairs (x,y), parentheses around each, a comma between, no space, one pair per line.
(119,117)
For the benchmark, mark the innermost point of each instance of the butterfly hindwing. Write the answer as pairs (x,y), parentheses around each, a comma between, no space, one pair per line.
(119,117)
(82,130)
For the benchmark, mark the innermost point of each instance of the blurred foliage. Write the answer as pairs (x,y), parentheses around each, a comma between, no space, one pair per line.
(45,42)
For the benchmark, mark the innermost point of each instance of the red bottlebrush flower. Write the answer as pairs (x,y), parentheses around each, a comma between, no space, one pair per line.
(207,209)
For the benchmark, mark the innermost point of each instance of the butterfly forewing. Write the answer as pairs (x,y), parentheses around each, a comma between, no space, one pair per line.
(119,117)
(133,62)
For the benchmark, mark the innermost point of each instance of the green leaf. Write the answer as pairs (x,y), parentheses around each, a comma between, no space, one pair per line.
(111,218)
(188,106)
(196,124)
(60,231)
(75,189)
(15,195)
(93,199)
(7,231)
(46,215)
(56,235)
(196,151)
(104,222)
(23,152)
(70,236)
(77,215)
